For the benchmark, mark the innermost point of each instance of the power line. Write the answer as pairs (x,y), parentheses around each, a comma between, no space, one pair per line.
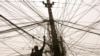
(16,26)
(80,29)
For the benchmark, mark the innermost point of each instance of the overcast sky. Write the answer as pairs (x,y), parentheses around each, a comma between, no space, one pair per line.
(80,29)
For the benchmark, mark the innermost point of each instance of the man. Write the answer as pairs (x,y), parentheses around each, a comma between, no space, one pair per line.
(37,51)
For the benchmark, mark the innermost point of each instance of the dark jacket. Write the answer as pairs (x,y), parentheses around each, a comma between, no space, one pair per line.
(39,52)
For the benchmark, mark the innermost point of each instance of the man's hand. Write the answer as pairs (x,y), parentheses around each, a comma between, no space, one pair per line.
(32,49)
(44,37)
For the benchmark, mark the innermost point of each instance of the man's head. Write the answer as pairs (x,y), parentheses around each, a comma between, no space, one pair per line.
(36,48)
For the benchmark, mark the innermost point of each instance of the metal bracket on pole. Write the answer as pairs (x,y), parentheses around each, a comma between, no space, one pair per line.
(48,4)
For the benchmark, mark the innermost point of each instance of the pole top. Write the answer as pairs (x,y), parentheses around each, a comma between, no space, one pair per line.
(48,4)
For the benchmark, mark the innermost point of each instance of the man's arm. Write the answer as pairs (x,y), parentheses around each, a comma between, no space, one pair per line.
(43,44)
(32,52)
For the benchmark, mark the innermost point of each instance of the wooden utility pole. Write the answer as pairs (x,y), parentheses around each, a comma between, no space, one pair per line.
(55,42)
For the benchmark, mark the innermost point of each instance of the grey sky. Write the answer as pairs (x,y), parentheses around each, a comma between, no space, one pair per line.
(80,14)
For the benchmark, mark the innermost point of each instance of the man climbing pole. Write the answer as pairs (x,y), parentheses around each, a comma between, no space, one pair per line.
(37,51)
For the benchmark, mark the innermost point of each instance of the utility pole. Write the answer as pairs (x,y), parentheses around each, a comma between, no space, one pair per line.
(55,43)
